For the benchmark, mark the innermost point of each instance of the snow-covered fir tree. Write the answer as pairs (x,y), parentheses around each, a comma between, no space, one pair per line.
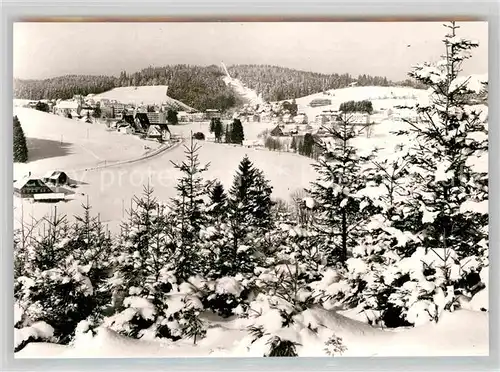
(188,211)
(249,218)
(341,212)
(65,274)
(144,268)
(430,246)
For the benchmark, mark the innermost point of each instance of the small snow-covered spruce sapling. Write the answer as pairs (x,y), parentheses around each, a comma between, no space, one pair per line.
(281,348)
(144,268)
(192,325)
(188,210)
(66,274)
(335,346)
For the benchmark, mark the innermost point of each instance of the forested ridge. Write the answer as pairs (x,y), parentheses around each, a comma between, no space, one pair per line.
(201,87)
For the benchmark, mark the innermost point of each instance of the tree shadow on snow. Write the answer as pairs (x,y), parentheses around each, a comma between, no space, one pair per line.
(75,183)
(39,148)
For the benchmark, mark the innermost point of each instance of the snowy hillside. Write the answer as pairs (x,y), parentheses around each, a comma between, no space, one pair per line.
(147,95)
(247,94)
(56,142)
(365,241)
(381,98)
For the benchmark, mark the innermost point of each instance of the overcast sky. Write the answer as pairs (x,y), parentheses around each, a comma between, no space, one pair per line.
(42,50)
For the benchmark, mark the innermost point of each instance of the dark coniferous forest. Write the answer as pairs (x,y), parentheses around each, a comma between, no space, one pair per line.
(201,87)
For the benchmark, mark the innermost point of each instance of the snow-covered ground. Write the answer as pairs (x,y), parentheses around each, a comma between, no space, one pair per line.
(111,189)
(59,143)
(381,98)
(147,95)
(462,333)
(251,129)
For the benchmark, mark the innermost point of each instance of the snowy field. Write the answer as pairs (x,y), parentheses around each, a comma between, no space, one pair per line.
(111,189)
(59,143)
(462,333)
(381,98)
(251,129)
(147,95)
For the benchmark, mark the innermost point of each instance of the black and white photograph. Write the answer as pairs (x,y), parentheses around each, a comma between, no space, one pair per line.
(250,189)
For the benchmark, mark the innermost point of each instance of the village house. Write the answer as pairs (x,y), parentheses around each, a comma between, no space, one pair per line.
(183,116)
(56,178)
(318,102)
(28,186)
(126,130)
(159,132)
(277,132)
(212,113)
(67,107)
(321,119)
(142,123)
(300,118)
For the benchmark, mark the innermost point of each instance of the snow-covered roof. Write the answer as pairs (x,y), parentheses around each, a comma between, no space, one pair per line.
(19,184)
(53,174)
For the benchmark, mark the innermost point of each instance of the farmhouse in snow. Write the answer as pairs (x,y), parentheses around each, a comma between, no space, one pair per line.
(56,178)
(159,131)
(27,187)
(277,131)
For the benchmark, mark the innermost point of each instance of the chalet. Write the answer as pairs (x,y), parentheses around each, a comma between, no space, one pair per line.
(27,187)
(183,116)
(159,132)
(212,113)
(66,107)
(142,122)
(127,120)
(277,132)
(300,119)
(56,178)
(318,102)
